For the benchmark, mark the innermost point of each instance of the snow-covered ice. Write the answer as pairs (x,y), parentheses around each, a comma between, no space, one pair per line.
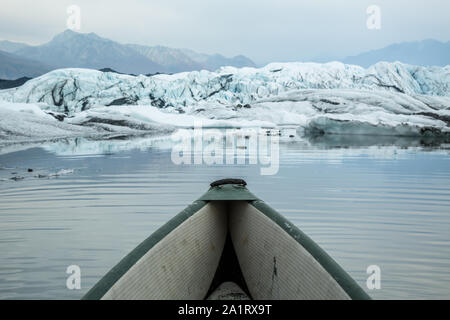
(333,98)
(27,123)
(74,90)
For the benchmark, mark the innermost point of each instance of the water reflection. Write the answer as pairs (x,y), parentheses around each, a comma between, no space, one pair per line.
(379,201)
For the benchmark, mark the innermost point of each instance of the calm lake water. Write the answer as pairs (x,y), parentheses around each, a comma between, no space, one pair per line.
(95,201)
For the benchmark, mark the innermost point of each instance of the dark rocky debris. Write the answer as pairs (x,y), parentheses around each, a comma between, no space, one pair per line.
(123,101)
(8,84)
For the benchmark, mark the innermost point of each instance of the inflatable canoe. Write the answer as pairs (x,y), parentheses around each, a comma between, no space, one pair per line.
(227,245)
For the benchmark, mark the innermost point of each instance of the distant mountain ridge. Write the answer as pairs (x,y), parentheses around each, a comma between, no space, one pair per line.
(421,53)
(88,50)
(13,66)
(173,60)
(71,49)
(213,62)
(11,47)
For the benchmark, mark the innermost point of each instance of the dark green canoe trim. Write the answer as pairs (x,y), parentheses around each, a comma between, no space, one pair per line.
(99,290)
(347,283)
(228,192)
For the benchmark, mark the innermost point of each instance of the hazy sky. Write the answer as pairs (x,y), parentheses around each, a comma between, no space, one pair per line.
(264,30)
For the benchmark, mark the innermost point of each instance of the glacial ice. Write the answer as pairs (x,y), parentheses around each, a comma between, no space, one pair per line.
(333,98)
(27,123)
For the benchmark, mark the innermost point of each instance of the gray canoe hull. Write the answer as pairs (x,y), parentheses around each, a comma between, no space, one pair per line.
(228,230)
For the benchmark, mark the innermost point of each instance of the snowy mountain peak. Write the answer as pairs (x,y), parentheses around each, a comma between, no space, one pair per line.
(70,35)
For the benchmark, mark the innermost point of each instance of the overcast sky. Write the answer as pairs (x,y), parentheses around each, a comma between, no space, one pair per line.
(264,30)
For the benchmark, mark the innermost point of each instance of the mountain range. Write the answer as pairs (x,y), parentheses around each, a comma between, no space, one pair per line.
(71,49)
(13,66)
(421,53)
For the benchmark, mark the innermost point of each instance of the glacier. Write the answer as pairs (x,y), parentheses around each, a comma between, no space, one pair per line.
(28,123)
(390,99)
